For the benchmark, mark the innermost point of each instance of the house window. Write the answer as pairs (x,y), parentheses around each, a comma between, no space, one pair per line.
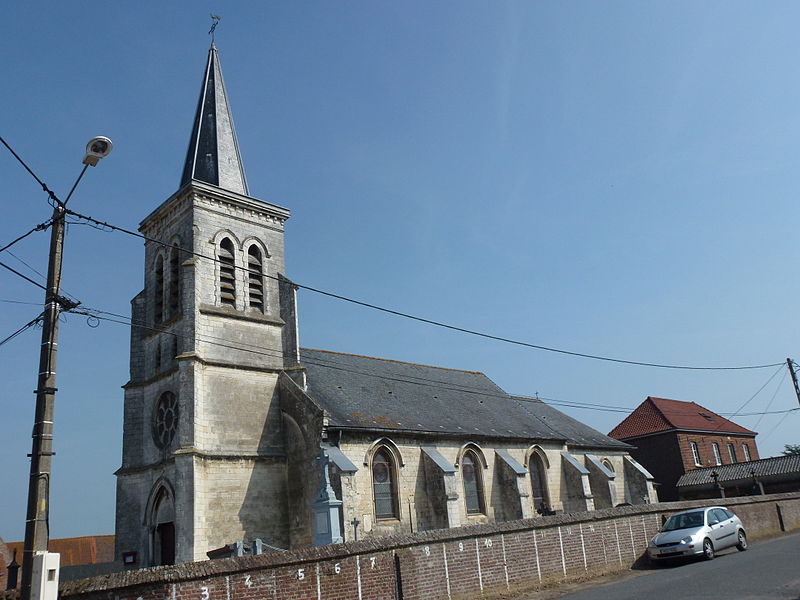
(696,454)
(174,282)
(473,484)
(159,291)
(746,452)
(541,501)
(227,273)
(732,453)
(255,279)
(384,485)
(717,457)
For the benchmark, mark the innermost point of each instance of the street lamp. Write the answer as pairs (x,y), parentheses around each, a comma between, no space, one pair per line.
(36,522)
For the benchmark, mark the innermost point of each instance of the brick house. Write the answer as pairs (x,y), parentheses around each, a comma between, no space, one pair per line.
(674,437)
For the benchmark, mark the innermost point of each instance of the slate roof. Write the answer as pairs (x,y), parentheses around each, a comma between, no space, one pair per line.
(763,468)
(213,154)
(656,415)
(360,392)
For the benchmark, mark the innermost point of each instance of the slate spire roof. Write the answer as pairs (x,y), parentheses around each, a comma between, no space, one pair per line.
(656,415)
(213,156)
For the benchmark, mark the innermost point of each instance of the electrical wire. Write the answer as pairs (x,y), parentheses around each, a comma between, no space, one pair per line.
(431,321)
(50,193)
(766,383)
(39,227)
(19,302)
(771,400)
(27,325)
(25,277)
(258,350)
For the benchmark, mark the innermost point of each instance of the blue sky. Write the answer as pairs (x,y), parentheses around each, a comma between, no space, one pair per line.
(609,178)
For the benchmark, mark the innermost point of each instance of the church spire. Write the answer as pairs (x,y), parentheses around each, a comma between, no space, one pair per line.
(213,155)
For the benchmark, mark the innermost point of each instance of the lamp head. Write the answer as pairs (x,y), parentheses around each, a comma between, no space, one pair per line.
(97,148)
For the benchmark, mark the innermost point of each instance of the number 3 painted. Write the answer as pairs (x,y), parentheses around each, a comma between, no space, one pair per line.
(204,593)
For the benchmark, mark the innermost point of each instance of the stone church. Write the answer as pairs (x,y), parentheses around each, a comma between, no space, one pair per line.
(232,432)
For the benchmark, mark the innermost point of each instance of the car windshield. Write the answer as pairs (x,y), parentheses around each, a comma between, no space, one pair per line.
(684,521)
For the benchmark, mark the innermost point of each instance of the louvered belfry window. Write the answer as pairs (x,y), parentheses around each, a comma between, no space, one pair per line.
(255,278)
(159,291)
(174,282)
(473,484)
(227,273)
(383,485)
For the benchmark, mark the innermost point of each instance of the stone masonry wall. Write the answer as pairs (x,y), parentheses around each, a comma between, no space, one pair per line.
(455,563)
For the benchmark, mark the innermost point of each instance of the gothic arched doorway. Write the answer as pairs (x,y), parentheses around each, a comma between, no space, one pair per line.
(163,529)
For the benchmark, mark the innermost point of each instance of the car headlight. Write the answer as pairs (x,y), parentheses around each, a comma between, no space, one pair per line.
(687,540)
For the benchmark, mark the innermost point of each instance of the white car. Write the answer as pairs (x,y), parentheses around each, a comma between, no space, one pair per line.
(698,532)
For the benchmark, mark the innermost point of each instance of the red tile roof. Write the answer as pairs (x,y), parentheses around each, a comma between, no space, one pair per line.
(656,415)
(86,550)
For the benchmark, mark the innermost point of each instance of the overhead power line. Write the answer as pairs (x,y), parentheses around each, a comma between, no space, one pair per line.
(27,325)
(25,277)
(413,379)
(39,227)
(431,321)
(50,193)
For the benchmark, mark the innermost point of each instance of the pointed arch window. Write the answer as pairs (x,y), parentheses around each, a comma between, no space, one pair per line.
(227,273)
(255,278)
(158,304)
(473,483)
(174,282)
(538,471)
(384,485)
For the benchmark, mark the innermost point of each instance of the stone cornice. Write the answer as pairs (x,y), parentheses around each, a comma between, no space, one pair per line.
(210,195)
(217,311)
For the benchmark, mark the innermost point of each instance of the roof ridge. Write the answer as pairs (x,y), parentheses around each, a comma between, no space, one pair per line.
(392,360)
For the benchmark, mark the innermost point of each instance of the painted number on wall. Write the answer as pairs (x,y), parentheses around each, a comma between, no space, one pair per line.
(204,595)
(460,546)
(337,568)
(371,562)
(301,574)
(248,582)
(427,550)
(487,542)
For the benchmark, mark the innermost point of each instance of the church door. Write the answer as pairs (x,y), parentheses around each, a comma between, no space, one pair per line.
(165,537)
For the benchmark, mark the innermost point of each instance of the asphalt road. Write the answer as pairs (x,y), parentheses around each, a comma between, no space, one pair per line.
(769,569)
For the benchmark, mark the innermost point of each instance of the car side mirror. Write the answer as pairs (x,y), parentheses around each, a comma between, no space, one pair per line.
(713,522)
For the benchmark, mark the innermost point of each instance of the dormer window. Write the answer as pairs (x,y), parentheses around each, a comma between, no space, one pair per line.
(255,279)
(227,274)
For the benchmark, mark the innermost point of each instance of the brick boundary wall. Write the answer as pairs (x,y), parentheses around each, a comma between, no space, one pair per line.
(443,564)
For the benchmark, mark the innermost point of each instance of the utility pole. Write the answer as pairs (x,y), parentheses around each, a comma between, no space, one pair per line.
(37,524)
(789,363)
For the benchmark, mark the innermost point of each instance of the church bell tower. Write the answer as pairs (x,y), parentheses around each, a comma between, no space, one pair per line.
(203,460)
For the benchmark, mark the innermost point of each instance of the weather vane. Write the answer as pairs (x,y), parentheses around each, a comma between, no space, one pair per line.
(216,19)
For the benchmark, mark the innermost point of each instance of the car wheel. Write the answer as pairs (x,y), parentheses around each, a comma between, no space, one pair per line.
(708,549)
(741,545)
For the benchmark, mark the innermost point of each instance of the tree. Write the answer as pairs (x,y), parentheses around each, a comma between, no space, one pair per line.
(791,449)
